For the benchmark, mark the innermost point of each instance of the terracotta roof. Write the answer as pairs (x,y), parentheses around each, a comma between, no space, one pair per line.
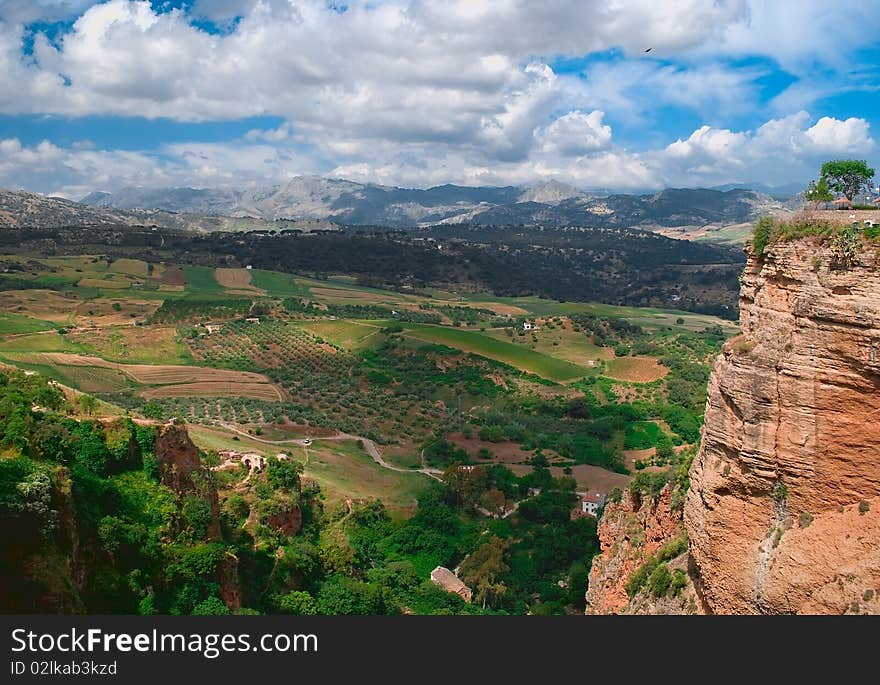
(450,582)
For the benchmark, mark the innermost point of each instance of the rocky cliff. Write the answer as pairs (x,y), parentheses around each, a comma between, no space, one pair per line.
(180,468)
(632,532)
(783,512)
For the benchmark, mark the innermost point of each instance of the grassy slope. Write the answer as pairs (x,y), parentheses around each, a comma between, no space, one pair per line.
(277,284)
(340,467)
(16,324)
(348,334)
(521,358)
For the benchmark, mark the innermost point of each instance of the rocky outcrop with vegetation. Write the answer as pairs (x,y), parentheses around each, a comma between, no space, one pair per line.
(643,565)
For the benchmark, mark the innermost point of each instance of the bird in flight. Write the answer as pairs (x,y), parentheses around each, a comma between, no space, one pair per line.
(649,49)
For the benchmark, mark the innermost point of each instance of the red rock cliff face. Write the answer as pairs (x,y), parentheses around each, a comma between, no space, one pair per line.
(629,532)
(783,513)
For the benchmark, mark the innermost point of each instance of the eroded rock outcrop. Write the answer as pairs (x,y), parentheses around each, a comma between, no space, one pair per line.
(630,531)
(180,468)
(783,512)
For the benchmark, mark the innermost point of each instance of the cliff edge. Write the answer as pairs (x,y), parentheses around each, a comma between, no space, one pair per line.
(783,512)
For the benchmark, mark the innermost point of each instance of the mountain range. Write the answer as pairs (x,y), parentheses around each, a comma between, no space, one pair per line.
(314,203)
(549,204)
(21,209)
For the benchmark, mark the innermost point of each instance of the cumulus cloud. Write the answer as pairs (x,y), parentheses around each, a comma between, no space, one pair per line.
(577,148)
(576,134)
(780,151)
(420,92)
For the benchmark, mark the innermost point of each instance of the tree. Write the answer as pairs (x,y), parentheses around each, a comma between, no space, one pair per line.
(467,483)
(484,569)
(847,176)
(298,602)
(88,404)
(818,192)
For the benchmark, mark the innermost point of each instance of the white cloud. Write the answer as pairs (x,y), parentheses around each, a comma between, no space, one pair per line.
(576,134)
(780,151)
(832,135)
(429,92)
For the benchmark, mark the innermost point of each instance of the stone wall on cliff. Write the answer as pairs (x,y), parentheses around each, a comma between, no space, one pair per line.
(783,512)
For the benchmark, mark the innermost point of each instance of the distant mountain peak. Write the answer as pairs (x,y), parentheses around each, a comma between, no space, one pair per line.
(550,192)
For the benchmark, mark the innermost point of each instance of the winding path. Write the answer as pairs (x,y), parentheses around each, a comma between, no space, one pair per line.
(371,448)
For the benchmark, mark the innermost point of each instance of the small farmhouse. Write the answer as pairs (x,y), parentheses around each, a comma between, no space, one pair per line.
(450,582)
(212,328)
(253,319)
(589,505)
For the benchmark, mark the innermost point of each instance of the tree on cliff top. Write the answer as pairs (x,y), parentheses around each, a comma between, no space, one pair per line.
(847,176)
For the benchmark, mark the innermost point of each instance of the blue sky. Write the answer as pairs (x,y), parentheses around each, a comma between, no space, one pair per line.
(99,95)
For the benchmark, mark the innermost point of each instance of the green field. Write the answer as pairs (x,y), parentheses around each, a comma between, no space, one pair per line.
(277,284)
(41,342)
(201,279)
(521,358)
(559,342)
(342,469)
(15,324)
(348,334)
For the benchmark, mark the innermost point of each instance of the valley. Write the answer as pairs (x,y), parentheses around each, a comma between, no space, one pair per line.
(374,395)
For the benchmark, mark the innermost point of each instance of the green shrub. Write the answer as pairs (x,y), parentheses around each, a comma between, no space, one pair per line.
(679,581)
(804,519)
(864,507)
(780,491)
(762,234)
(660,580)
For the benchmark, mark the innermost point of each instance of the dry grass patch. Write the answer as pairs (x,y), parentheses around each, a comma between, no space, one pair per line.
(47,305)
(258,391)
(130,267)
(497,307)
(145,344)
(588,477)
(113,311)
(198,379)
(635,369)
(170,275)
(238,280)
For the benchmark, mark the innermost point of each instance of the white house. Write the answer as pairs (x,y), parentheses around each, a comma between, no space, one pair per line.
(212,328)
(591,502)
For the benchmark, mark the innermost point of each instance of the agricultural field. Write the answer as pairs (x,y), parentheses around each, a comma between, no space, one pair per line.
(40,305)
(201,279)
(454,375)
(237,281)
(157,380)
(349,335)
(635,369)
(133,344)
(17,324)
(557,338)
(542,365)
